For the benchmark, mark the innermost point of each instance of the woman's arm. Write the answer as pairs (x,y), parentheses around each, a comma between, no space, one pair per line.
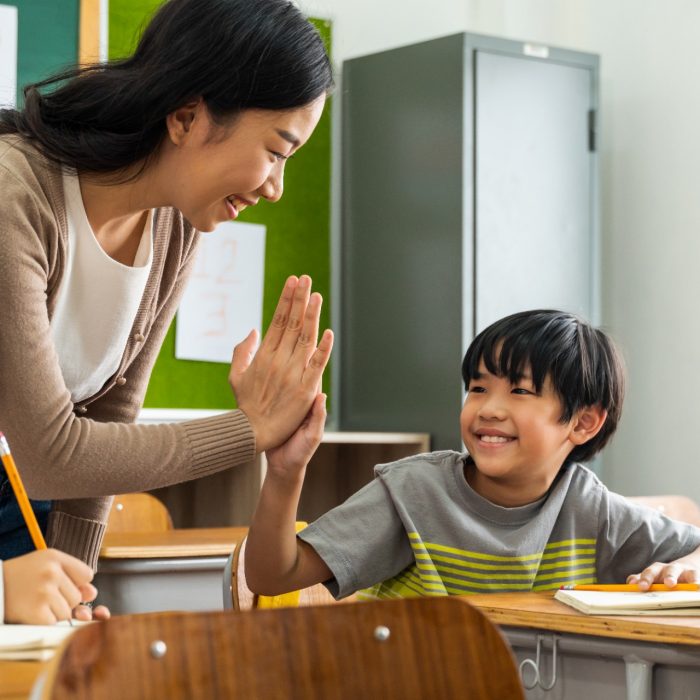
(63,455)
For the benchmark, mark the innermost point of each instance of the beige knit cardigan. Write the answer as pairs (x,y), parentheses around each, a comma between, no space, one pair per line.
(78,455)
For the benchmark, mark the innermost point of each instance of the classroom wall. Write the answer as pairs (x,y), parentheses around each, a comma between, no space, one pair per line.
(650,155)
(47,38)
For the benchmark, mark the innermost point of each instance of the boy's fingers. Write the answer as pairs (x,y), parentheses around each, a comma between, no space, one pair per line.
(651,574)
(689,576)
(281,316)
(318,411)
(670,574)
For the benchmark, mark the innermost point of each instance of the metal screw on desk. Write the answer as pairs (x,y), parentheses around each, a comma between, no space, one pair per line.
(381,633)
(158,649)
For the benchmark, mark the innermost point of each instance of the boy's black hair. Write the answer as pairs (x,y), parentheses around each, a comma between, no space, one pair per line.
(582,362)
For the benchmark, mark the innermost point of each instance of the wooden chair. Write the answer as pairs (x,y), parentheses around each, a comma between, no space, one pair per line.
(138,512)
(677,507)
(406,649)
(238,596)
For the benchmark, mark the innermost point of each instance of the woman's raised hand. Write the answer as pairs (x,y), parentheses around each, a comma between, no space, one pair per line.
(276,386)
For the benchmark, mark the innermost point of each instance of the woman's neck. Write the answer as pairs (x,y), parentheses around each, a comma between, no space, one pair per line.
(117,213)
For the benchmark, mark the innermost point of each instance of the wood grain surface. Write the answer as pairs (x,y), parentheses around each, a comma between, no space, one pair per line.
(195,542)
(541,611)
(436,648)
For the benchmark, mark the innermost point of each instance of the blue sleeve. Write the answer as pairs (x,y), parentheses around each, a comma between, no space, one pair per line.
(362,541)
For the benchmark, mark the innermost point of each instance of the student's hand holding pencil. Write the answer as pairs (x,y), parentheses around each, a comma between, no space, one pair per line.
(43,587)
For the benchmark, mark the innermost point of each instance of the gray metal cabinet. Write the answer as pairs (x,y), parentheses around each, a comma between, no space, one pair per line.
(468,192)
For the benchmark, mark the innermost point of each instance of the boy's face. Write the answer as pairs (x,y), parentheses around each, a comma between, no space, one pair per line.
(515,437)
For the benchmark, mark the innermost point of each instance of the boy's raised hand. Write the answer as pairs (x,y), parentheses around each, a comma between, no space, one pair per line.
(290,459)
(683,570)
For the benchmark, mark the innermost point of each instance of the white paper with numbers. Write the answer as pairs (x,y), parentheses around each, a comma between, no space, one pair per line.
(8,55)
(224,296)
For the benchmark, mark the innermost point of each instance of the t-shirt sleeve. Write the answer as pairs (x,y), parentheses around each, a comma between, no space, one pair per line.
(632,536)
(362,541)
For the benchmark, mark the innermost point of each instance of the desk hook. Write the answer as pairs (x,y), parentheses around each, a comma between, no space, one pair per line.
(553,681)
(529,663)
(535,666)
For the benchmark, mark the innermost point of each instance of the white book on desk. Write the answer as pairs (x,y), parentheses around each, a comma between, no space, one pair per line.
(32,642)
(677,603)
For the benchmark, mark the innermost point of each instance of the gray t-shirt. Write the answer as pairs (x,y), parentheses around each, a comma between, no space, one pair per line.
(419,529)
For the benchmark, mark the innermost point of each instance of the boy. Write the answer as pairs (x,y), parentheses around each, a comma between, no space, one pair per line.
(515,513)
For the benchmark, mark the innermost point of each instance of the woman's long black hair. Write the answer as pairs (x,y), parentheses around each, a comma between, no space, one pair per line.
(235,54)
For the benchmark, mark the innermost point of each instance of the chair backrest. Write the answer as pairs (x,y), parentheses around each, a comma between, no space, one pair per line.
(238,596)
(138,512)
(677,507)
(408,649)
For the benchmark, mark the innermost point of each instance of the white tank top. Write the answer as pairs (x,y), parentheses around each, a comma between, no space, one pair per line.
(97,300)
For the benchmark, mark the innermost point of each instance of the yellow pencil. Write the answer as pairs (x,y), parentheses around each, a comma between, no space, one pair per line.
(21,494)
(633,587)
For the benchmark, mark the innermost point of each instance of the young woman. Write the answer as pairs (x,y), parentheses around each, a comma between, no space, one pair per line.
(107,175)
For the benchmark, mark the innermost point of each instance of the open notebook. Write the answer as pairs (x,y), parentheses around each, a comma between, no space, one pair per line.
(32,642)
(614,603)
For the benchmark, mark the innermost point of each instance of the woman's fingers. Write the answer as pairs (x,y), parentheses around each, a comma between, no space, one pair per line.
(243,355)
(308,337)
(281,316)
(315,366)
(295,322)
(277,386)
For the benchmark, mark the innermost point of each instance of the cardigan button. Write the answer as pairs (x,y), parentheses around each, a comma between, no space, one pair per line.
(81,409)
(121,381)
(139,337)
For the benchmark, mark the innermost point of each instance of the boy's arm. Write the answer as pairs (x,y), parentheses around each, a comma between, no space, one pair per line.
(275,560)
(683,570)
(637,543)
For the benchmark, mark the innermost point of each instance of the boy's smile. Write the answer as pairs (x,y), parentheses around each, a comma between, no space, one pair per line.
(515,437)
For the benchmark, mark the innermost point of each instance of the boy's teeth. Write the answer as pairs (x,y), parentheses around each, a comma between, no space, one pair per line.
(493,438)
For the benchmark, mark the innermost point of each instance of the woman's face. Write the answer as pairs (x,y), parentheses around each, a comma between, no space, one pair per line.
(211,172)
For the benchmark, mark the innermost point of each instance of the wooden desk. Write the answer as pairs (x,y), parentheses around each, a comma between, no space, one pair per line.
(17,678)
(172,570)
(608,657)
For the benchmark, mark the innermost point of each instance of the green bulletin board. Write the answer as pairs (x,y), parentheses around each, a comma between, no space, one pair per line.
(298,237)
(47,38)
